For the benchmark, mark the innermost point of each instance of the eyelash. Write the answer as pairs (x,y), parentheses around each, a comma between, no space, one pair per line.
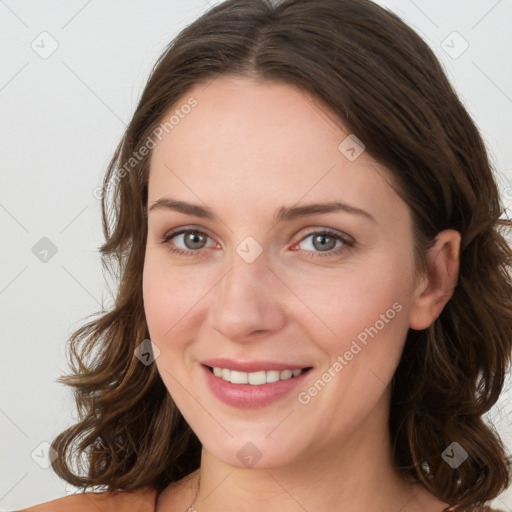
(347,243)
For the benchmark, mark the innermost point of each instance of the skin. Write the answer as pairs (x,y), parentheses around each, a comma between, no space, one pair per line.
(247,149)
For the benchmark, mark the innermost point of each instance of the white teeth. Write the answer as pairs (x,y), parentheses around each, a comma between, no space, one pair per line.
(254,378)
(257,378)
(239,377)
(285,374)
(273,375)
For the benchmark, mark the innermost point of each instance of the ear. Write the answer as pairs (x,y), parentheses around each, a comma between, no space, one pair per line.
(436,288)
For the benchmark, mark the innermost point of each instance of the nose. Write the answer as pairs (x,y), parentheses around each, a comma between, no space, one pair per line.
(248,302)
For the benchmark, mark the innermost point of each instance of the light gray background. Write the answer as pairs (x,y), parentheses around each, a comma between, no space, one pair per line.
(60,119)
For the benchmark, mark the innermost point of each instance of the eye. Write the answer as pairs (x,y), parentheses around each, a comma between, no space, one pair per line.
(325,243)
(192,241)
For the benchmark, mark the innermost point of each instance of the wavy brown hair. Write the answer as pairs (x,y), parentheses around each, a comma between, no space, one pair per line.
(382,82)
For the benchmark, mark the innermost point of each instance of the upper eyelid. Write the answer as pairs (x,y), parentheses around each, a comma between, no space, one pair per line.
(344,237)
(180,231)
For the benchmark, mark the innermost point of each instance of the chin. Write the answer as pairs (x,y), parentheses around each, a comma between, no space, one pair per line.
(254,452)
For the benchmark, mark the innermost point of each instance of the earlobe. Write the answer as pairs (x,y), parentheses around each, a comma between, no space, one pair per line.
(435,290)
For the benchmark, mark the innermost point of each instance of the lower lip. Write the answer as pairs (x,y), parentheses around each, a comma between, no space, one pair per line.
(250,396)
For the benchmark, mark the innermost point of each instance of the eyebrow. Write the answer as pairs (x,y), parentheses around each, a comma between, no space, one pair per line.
(285,213)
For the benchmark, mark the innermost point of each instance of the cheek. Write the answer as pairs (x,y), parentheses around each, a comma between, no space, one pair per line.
(366,314)
(157,298)
(334,305)
(360,314)
(352,298)
(171,295)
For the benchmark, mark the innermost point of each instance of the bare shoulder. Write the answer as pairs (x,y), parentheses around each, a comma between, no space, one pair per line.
(140,500)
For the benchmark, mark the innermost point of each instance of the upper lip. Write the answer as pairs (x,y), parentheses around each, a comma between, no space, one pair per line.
(251,366)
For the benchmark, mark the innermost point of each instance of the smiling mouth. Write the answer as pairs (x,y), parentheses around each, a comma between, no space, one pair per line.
(255,378)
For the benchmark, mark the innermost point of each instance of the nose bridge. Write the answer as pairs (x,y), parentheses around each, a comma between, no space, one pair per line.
(246,274)
(244,299)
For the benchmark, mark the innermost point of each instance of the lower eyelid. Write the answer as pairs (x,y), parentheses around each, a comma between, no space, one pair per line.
(336,252)
(346,242)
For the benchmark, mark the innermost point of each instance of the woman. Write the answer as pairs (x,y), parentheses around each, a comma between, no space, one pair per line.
(308,231)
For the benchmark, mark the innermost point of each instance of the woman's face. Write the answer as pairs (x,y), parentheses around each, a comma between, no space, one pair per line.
(268,283)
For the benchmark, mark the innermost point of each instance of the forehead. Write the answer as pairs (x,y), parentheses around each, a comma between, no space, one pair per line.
(271,142)
(252,118)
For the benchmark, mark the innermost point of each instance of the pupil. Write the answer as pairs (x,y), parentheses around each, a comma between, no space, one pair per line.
(193,238)
(323,244)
